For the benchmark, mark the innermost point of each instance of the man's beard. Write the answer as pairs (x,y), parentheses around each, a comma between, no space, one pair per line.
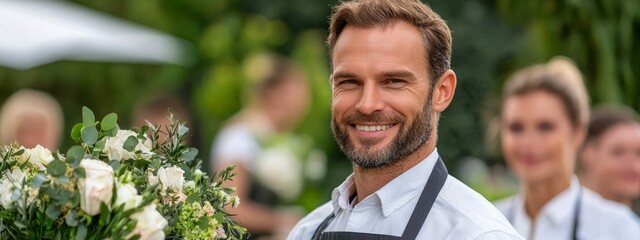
(407,140)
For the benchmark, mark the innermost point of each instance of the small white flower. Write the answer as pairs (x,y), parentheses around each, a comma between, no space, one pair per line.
(225,197)
(96,187)
(235,201)
(190,184)
(152,179)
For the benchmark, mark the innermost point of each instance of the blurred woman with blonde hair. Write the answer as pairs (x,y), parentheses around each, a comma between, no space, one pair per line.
(31,118)
(543,120)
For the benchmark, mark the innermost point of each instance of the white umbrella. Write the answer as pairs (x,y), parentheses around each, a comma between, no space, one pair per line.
(36,32)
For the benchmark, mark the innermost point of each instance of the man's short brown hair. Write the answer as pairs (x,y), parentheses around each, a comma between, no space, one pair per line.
(436,35)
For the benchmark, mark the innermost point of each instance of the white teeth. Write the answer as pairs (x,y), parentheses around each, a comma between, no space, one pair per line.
(373,128)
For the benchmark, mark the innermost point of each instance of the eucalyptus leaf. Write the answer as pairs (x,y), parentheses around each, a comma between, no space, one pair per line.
(53,212)
(189,154)
(87,117)
(72,218)
(75,199)
(109,121)
(80,173)
(99,146)
(89,135)
(81,232)
(75,132)
(130,144)
(74,155)
(56,168)
(112,132)
(37,181)
(115,164)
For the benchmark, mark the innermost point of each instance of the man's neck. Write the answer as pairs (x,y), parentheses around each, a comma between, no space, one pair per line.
(537,194)
(370,180)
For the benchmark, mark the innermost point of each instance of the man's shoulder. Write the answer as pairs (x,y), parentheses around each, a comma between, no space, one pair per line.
(470,211)
(308,225)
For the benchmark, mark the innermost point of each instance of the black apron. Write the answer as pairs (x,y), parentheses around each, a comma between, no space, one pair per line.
(419,215)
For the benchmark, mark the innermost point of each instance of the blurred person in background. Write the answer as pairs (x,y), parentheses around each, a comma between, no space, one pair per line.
(156,108)
(610,158)
(31,118)
(268,171)
(544,117)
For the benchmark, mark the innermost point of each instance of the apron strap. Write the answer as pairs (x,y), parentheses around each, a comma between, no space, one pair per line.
(427,198)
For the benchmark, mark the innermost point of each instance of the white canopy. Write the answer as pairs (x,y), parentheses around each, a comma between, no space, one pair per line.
(37,32)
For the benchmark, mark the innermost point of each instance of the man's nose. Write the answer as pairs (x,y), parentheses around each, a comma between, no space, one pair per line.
(370,100)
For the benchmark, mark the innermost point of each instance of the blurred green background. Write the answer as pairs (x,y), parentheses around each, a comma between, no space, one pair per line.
(491,40)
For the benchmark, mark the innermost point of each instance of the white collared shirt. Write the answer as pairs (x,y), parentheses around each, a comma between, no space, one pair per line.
(598,218)
(458,213)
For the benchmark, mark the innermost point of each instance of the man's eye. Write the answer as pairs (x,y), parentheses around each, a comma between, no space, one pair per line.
(396,82)
(348,82)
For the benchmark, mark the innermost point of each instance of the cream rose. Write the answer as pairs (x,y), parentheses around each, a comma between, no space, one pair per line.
(171,178)
(96,187)
(114,146)
(40,157)
(128,195)
(150,223)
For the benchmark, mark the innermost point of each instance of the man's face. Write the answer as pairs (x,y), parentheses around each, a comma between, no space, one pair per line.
(381,106)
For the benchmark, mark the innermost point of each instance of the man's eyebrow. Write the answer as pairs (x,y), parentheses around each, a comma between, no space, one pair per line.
(396,74)
(343,75)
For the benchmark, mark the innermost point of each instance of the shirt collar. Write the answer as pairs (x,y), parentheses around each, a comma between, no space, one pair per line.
(562,206)
(394,194)
(559,208)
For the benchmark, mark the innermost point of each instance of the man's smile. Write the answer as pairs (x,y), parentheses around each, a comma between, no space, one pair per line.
(372,128)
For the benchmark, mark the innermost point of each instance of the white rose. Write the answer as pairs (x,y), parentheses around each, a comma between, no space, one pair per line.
(128,195)
(40,157)
(114,146)
(96,187)
(171,177)
(150,223)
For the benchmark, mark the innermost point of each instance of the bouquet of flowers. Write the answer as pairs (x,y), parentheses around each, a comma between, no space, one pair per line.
(115,184)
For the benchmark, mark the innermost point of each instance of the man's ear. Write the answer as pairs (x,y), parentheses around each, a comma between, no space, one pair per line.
(444,90)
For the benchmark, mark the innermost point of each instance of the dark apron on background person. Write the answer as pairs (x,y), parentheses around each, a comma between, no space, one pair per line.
(419,215)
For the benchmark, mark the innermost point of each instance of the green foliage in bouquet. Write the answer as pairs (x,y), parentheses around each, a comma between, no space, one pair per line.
(115,184)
